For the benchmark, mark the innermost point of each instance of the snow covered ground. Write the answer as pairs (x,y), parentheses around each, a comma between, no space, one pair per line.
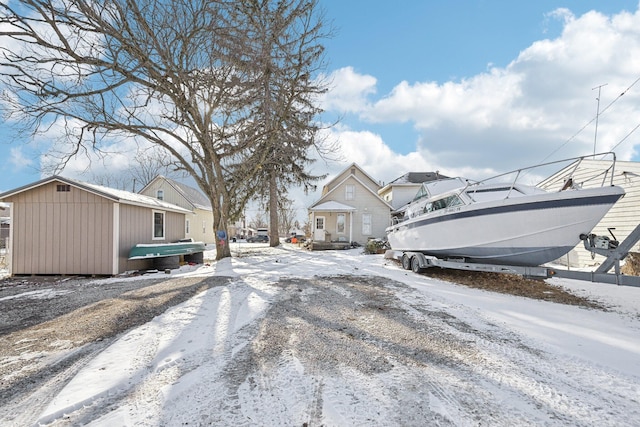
(236,354)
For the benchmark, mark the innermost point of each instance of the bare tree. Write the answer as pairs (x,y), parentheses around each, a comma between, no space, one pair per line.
(259,220)
(286,216)
(147,164)
(150,163)
(177,74)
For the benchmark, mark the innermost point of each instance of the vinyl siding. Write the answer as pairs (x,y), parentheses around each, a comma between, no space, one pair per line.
(624,216)
(61,232)
(364,202)
(171,195)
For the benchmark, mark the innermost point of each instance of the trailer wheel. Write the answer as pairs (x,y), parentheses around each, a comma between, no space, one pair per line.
(415,265)
(406,262)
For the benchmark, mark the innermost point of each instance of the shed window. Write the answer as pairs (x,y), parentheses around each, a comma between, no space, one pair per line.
(158,225)
(187,227)
(63,188)
(160,194)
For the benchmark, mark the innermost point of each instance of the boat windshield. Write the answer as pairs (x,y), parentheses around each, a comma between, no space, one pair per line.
(445,202)
(440,186)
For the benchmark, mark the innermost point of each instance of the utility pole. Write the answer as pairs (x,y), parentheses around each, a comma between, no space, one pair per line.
(595,138)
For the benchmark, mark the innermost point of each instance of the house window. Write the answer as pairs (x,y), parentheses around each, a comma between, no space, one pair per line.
(350,192)
(340,223)
(204,227)
(187,227)
(160,194)
(63,188)
(366,224)
(158,225)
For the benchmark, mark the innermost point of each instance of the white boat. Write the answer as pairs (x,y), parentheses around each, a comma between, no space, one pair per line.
(501,223)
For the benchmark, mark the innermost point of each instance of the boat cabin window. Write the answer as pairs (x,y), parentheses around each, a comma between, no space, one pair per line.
(486,194)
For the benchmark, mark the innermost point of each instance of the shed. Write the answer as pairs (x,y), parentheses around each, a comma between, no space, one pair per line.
(61,226)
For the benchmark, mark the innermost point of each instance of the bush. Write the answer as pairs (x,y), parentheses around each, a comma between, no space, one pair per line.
(375,246)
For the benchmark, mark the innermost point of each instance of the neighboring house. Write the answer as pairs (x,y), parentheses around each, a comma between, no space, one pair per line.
(199,224)
(622,218)
(402,190)
(63,226)
(349,209)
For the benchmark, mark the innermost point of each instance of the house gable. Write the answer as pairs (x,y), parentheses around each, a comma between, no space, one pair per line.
(199,225)
(177,193)
(355,171)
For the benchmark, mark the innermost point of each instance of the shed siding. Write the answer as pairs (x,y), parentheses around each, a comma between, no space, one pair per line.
(61,232)
(136,226)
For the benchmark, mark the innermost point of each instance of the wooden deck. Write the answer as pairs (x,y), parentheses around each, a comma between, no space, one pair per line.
(326,246)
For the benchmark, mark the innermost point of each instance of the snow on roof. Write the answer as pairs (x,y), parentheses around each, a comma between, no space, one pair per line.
(332,206)
(133,198)
(111,193)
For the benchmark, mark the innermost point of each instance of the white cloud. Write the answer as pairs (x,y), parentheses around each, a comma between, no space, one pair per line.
(19,159)
(520,114)
(348,91)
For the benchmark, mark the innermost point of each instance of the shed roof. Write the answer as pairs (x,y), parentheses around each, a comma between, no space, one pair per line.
(120,196)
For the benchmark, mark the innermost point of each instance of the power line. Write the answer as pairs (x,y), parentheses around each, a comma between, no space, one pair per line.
(593,119)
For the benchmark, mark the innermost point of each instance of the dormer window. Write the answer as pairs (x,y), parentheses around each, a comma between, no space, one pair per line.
(160,194)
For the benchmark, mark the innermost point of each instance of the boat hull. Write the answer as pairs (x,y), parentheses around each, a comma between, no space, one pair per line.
(525,231)
(160,250)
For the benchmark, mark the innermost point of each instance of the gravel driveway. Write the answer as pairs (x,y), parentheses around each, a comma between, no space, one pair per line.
(50,327)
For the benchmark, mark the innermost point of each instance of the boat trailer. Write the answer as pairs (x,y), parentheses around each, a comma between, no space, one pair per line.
(613,252)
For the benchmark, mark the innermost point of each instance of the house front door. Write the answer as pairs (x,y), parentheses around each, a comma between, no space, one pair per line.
(318,231)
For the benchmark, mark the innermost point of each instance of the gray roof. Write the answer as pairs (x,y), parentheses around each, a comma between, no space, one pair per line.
(417,178)
(194,196)
(190,194)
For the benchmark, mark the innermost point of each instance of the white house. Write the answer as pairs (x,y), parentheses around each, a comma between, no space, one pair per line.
(621,220)
(349,209)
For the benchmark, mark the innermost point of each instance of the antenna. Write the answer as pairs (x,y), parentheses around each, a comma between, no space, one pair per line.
(595,138)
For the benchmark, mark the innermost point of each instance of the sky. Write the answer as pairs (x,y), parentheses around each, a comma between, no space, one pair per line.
(467,88)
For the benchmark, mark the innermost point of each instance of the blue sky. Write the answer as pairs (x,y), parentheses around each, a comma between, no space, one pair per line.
(464,87)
